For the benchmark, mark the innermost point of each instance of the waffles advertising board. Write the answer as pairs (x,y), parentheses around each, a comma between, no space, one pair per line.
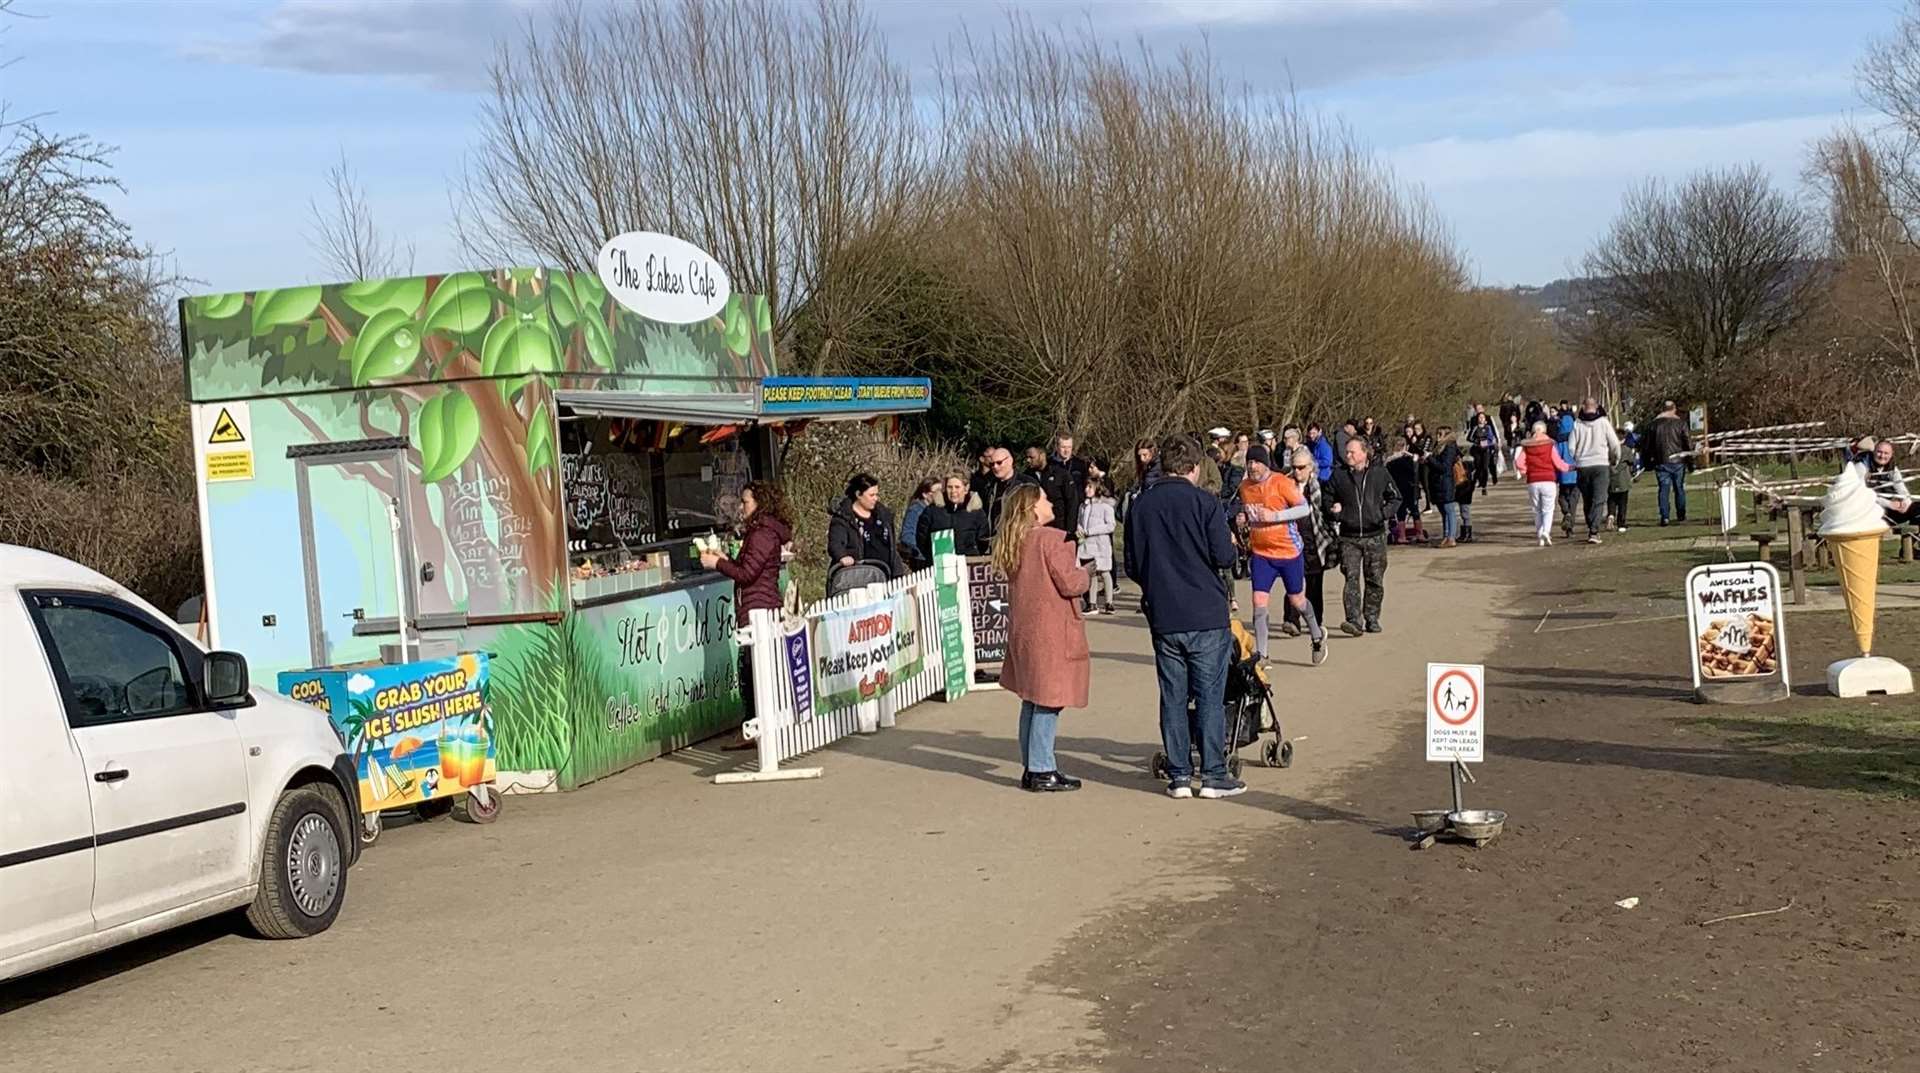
(1734,622)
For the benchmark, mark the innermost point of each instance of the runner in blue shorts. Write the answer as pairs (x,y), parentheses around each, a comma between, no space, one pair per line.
(1273,505)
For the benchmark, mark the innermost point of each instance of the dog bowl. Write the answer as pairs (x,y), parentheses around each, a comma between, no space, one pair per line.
(1478,824)
(1429,820)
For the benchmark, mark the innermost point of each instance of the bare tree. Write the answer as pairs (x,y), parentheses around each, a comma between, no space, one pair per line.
(781,138)
(94,460)
(1871,242)
(344,235)
(1716,266)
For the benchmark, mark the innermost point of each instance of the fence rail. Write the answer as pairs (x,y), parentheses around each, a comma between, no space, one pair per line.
(781,732)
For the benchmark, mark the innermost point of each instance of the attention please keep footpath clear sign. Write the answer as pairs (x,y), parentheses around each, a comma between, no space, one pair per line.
(1456,712)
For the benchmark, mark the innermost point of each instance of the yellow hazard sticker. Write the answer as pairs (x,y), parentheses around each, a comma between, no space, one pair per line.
(229,465)
(226,430)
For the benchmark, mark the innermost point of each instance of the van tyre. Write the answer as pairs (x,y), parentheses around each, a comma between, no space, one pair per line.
(303,870)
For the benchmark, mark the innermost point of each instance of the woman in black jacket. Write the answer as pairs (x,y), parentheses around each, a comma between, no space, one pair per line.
(969,526)
(861,529)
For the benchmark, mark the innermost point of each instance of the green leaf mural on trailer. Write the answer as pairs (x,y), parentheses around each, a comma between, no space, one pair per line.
(505,323)
(386,348)
(274,309)
(372,297)
(449,431)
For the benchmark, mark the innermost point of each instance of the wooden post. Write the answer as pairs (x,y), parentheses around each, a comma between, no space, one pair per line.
(1797,552)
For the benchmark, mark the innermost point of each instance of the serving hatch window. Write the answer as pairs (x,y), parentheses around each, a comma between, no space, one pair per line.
(703,472)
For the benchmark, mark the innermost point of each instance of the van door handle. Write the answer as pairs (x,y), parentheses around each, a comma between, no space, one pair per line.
(110,775)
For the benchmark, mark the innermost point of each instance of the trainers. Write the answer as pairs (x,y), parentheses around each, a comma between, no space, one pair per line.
(1319,652)
(1179,789)
(1594,539)
(1373,625)
(1350,629)
(1623,529)
(1213,789)
(1289,629)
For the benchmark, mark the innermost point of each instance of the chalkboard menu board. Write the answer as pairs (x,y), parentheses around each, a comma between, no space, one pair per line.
(609,499)
(988,589)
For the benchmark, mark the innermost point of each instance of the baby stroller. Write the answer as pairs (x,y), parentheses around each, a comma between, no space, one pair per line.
(1249,696)
(846,577)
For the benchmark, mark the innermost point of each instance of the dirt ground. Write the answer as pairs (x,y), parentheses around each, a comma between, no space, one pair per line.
(912,911)
(1339,945)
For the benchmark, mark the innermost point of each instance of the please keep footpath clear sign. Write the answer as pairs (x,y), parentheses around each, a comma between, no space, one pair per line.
(1456,712)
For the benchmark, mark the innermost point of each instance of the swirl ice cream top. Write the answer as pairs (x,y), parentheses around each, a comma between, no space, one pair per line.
(1849,508)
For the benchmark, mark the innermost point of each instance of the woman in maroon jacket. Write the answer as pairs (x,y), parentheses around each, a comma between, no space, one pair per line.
(767,527)
(1047,659)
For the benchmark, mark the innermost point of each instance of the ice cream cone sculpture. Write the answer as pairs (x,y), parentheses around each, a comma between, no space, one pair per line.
(1852,523)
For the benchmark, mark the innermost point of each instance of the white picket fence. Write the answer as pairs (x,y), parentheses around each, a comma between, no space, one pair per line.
(779,735)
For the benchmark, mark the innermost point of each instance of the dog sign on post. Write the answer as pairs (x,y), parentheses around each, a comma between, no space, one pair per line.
(1456,712)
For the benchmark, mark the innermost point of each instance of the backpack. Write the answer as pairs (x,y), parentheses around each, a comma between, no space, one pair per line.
(1460,475)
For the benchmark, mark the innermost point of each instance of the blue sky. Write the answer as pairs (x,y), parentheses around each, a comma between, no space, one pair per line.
(1524,122)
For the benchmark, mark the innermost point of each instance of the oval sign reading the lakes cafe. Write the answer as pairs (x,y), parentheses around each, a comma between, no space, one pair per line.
(664,278)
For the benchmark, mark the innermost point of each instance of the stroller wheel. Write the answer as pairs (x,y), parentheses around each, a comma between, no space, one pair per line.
(1286,754)
(1159,766)
(1270,754)
(1233,767)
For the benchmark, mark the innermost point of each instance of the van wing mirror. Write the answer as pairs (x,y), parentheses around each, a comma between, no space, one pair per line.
(227,683)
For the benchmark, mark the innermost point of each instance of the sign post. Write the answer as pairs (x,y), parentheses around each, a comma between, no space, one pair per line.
(953,635)
(1456,719)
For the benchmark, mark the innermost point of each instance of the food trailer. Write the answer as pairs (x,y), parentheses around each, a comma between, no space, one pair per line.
(512,462)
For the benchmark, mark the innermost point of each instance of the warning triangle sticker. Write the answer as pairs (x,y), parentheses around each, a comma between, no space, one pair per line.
(224,429)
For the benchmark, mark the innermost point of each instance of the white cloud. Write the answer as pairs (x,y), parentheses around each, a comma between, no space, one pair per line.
(1586,154)
(445,43)
(1267,43)
(359,683)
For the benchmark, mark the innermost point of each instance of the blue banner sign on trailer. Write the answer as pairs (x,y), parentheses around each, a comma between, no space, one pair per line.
(811,395)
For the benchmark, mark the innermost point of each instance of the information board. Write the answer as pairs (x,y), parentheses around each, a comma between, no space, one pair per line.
(992,605)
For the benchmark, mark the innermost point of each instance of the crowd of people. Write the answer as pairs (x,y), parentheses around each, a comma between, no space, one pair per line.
(1200,511)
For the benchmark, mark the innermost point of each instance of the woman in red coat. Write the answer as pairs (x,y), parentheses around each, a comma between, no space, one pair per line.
(1047,660)
(755,571)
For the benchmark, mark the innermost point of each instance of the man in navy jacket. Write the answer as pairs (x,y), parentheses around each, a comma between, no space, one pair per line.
(1177,545)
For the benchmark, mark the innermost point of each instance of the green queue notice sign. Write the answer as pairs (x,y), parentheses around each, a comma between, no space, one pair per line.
(953,641)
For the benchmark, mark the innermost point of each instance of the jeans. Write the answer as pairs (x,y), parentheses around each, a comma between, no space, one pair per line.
(1540,495)
(1617,507)
(1364,558)
(1593,491)
(1037,727)
(1450,521)
(1192,666)
(1672,475)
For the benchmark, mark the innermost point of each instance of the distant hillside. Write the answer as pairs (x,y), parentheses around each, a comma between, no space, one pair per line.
(1549,298)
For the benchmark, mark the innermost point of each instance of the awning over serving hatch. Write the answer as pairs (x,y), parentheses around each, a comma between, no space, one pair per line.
(784,398)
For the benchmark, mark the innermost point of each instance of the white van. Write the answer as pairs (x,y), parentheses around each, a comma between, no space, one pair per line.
(144,784)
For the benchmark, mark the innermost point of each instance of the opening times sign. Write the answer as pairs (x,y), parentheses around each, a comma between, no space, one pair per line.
(1456,712)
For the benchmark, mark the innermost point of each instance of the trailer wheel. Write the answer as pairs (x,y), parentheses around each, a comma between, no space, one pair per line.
(479,805)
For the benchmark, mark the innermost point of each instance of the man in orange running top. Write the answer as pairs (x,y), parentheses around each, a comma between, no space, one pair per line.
(1273,504)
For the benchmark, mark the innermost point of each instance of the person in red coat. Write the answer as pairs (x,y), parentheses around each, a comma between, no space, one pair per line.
(1047,664)
(767,528)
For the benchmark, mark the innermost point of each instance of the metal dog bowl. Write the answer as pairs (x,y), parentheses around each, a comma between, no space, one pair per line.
(1430,820)
(1478,824)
